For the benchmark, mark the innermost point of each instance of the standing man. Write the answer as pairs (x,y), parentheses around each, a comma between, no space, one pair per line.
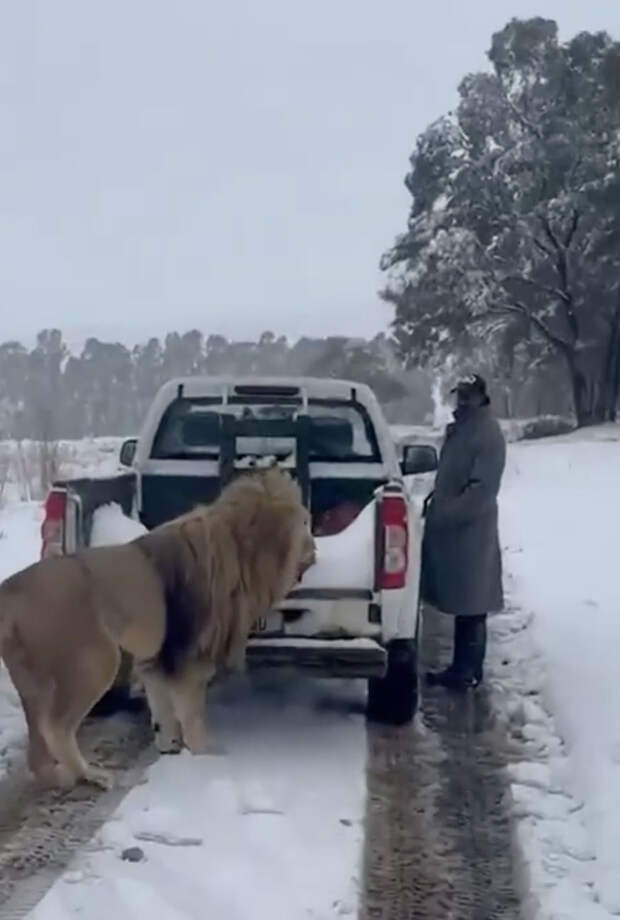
(461,557)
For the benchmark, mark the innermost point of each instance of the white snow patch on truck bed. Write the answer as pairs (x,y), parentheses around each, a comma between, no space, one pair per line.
(346,559)
(112,527)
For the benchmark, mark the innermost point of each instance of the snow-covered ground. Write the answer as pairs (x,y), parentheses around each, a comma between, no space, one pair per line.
(20,463)
(273,826)
(557,668)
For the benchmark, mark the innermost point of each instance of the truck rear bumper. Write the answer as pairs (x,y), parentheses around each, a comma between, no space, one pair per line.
(330,614)
(320,657)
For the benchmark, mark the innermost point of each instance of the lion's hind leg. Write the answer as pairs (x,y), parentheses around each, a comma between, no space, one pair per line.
(40,759)
(78,688)
(35,693)
(35,702)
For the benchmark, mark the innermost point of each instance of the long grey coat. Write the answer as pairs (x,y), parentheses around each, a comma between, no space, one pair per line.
(461,557)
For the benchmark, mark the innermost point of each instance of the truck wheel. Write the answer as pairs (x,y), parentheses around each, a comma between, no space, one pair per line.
(393,699)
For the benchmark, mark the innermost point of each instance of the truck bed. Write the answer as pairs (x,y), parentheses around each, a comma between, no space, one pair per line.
(334,502)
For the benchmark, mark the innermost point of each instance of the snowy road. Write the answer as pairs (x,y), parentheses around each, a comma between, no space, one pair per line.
(271,828)
(305,815)
(275,826)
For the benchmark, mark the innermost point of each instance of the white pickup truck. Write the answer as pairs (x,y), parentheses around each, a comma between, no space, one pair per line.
(355,613)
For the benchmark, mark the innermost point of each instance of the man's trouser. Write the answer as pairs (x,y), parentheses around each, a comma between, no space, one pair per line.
(470,645)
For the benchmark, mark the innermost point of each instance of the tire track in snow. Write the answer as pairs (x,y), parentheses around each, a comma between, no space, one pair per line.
(438,829)
(41,831)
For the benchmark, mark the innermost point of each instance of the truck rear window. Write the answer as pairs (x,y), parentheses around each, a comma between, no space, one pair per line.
(339,431)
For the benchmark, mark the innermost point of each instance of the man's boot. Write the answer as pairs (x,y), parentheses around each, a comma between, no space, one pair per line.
(472,639)
(450,675)
(466,670)
(474,648)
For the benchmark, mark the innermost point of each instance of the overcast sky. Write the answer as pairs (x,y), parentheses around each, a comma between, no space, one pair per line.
(235,166)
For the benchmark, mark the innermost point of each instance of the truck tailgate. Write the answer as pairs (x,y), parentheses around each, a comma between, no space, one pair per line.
(336,597)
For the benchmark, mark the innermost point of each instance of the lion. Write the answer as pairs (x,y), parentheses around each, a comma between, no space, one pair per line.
(181,600)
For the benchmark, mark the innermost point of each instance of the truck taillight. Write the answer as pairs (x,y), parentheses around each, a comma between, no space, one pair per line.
(53,523)
(394,531)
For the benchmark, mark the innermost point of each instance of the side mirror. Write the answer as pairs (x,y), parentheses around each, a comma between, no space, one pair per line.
(128,451)
(419,458)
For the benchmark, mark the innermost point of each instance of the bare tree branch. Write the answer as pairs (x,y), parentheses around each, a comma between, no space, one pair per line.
(523,120)
(575,167)
(548,231)
(544,288)
(561,267)
(541,247)
(572,230)
(518,308)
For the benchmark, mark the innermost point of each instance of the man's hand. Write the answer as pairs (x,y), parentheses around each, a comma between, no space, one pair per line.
(427,503)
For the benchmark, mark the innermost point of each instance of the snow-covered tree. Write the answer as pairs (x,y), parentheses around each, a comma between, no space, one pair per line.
(514,231)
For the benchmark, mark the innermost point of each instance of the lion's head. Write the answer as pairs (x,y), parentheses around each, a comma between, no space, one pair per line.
(265,510)
(225,565)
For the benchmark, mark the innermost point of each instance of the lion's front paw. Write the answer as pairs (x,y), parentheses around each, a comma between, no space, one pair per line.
(96,777)
(168,745)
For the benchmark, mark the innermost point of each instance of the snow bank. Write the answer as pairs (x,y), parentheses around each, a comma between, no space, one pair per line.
(560,523)
(270,829)
(20,464)
(111,527)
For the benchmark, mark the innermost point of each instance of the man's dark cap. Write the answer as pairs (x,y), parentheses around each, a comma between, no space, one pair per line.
(474,383)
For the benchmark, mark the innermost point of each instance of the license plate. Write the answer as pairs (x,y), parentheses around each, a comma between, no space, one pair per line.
(272,624)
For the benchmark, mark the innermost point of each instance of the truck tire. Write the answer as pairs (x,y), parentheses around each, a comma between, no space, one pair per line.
(393,699)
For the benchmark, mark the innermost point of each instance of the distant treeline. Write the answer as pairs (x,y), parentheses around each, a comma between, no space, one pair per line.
(49,393)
